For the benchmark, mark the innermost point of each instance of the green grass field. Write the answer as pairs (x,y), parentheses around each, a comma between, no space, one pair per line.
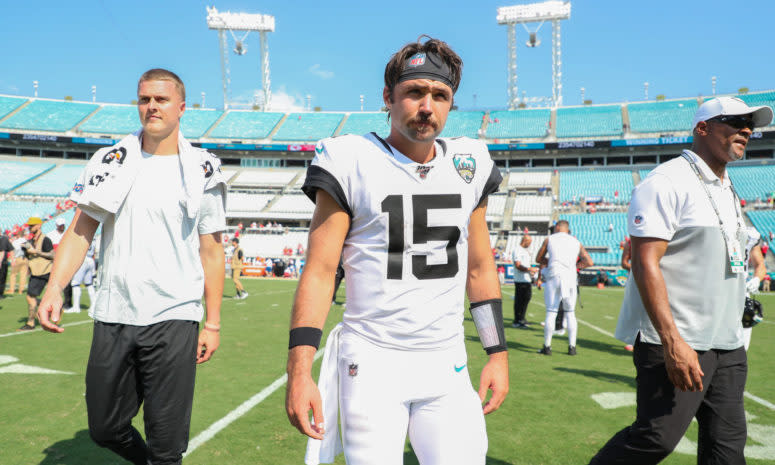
(549,416)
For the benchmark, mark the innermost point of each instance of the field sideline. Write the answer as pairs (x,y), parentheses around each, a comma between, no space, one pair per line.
(560,409)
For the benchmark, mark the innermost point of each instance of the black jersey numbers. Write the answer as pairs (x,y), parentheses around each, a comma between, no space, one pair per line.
(421,233)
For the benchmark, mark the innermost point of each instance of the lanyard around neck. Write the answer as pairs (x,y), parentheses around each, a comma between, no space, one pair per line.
(735,197)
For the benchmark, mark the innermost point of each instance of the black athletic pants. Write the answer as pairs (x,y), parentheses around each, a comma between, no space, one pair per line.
(523,292)
(67,302)
(664,412)
(3,273)
(129,365)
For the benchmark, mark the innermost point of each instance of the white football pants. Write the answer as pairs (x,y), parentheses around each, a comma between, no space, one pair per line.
(383,393)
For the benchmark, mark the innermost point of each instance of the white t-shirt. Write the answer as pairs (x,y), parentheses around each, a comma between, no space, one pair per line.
(18,252)
(406,253)
(56,237)
(522,256)
(150,267)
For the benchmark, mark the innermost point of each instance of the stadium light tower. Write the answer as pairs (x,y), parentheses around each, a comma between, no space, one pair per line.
(241,22)
(554,11)
(35,88)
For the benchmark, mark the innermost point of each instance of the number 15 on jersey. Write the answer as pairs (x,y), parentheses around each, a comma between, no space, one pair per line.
(393,205)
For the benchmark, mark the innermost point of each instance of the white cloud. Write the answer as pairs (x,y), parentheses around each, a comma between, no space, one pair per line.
(283,101)
(321,73)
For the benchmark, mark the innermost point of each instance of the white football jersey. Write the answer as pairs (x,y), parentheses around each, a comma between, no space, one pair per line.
(563,252)
(406,253)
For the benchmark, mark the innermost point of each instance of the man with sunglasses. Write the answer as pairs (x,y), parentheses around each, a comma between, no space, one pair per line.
(682,311)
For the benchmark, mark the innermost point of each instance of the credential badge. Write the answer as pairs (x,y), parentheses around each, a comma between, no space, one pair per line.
(465,164)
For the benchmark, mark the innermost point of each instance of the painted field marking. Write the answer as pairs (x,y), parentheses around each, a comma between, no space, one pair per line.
(241,410)
(39,329)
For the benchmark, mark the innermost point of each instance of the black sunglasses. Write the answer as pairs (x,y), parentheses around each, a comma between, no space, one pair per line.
(736,121)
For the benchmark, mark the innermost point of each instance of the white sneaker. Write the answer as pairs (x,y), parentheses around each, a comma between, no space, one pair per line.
(72,310)
(244,295)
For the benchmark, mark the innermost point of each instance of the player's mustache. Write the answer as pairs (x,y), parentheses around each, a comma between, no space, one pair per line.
(423,119)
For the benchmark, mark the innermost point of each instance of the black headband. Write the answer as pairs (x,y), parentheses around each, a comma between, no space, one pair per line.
(426,65)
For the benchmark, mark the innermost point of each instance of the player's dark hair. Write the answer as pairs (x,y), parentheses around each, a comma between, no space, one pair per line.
(397,62)
(160,74)
(234,239)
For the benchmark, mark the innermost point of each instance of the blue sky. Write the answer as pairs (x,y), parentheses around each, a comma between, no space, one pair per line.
(335,51)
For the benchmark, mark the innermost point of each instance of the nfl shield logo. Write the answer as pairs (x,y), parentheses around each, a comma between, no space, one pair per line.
(417,60)
(465,164)
(423,170)
(353,369)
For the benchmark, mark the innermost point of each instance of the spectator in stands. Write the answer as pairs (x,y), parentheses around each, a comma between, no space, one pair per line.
(6,249)
(268,266)
(772,236)
(253,225)
(299,249)
(162,208)
(765,248)
(610,227)
(684,311)
(237,264)
(40,255)
(766,284)
(19,265)
(523,278)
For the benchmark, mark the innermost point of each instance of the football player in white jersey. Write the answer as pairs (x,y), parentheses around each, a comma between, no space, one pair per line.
(407,214)
(755,262)
(562,252)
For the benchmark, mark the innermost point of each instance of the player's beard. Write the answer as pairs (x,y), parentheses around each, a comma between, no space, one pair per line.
(733,156)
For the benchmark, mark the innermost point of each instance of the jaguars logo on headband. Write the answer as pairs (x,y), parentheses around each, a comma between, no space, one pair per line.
(465,164)
(118,154)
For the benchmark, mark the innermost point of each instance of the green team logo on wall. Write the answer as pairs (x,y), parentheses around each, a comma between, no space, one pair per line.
(465,164)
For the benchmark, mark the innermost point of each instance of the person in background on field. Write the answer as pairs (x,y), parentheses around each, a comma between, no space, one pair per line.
(19,265)
(523,281)
(237,263)
(6,249)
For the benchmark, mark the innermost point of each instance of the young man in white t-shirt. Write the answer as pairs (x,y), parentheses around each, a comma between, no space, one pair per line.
(161,250)
(523,281)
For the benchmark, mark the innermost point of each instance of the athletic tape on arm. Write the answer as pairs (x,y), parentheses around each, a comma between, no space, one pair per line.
(488,318)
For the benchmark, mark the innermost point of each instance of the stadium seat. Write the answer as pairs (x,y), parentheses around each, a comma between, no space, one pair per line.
(666,116)
(597,183)
(589,121)
(463,123)
(763,221)
(496,204)
(195,123)
(55,183)
(760,98)
(49,115)
(518,124)
(16,173)
(753,182)
(243,124)
(14,212)
(362,123)
(592,230)
(9,104)
(113,119)
(308,126)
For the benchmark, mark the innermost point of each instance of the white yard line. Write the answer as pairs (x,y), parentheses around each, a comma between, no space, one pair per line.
(39,329)
(241,410)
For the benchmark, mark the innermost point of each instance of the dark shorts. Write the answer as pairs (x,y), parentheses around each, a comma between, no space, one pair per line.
(36,285)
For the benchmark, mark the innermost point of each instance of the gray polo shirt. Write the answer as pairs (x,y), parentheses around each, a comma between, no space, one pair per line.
(706,298)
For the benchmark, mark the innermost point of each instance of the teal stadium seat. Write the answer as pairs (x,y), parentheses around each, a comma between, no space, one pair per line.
(763,221)
(113,119)
(589,121)
(195,123)
(644,173)
(9,104)
(243,124)
(362,123)
(592,230)
(674,115)
(48,115)
(463,123)
(753,181)
(55,183)
(518,124)
(14,212)
(308,126)
(16,173)
(761,98)
(596,183)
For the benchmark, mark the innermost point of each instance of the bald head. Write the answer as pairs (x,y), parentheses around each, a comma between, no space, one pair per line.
(562,226)
(526,241)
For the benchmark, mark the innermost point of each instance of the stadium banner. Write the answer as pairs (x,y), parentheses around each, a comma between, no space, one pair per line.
(509,147)
(4,135)
(579,144)
(39,137)
(95,141)
(652,141)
